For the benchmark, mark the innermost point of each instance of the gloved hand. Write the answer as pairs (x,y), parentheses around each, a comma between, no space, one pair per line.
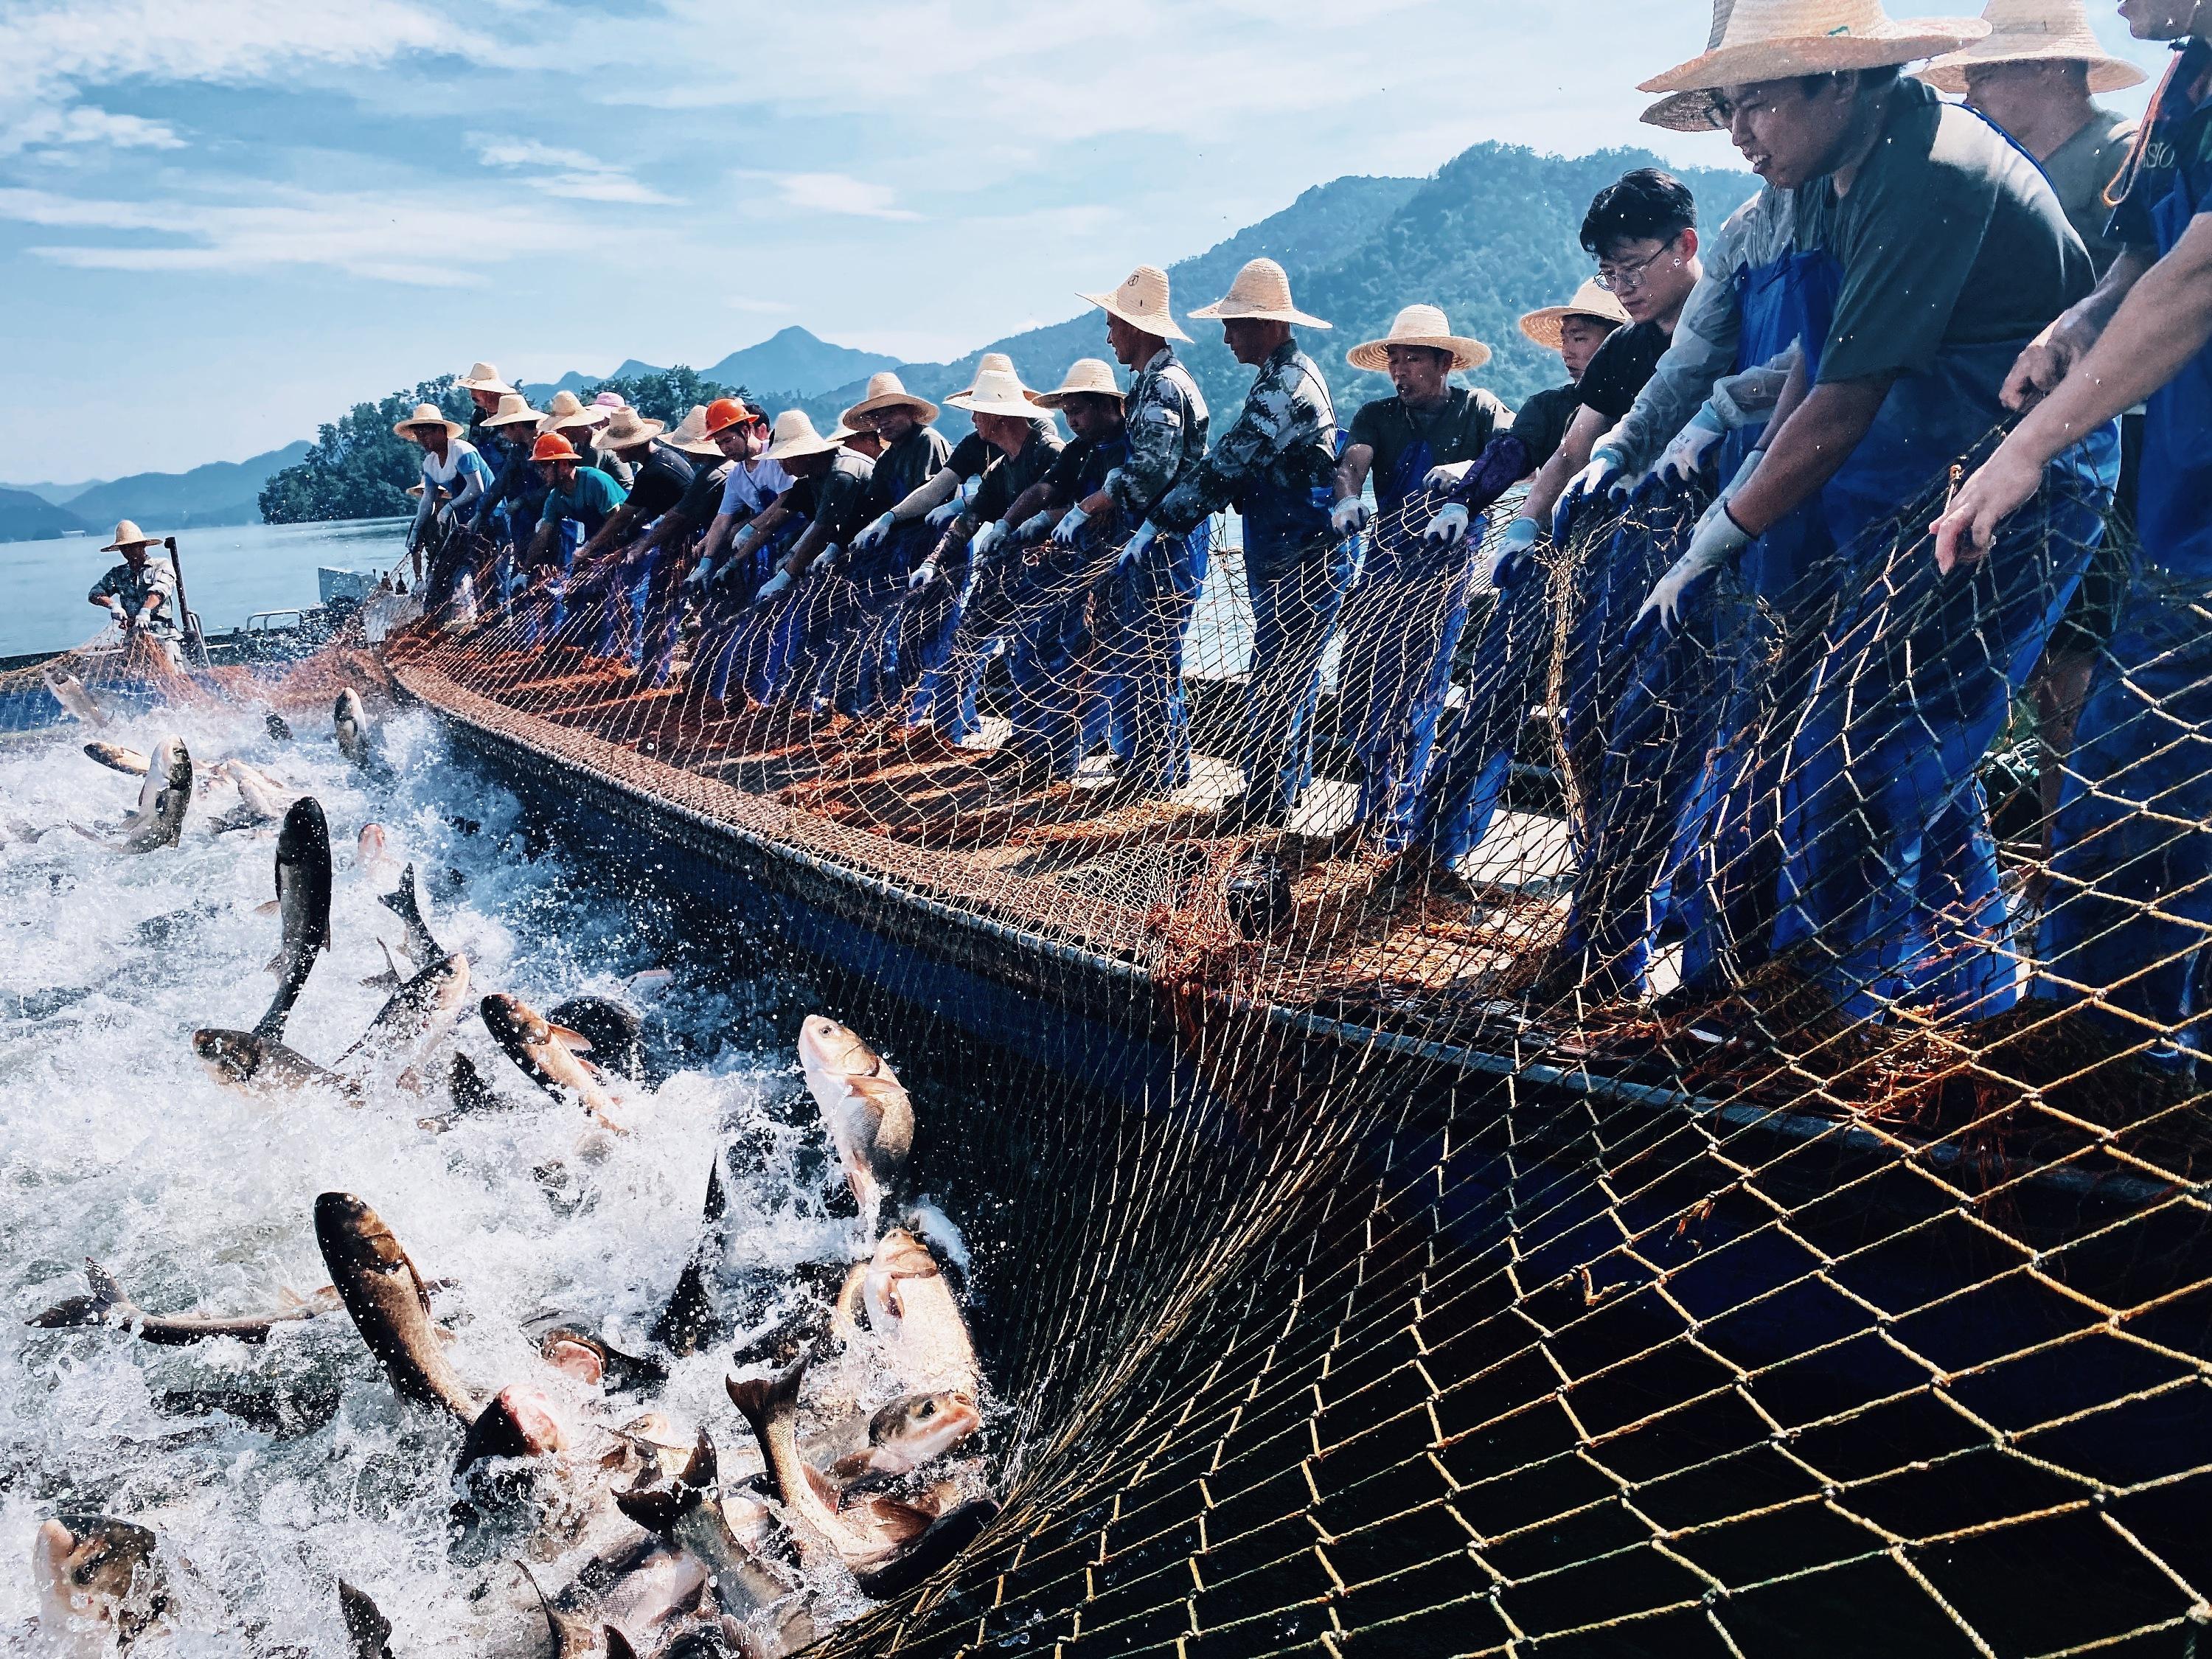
(115,608)
(1605,466)
(1070,527)
(1035,528)
(827,559)
(986,539)
(775,586)
(938,517)
(924,574)
(1717,537)
(1447,528)
(1445,476)
(1133,548)
(1515,553)
(878,528)
(1742,474)
(1685,457)
(1350,516)
(446,516)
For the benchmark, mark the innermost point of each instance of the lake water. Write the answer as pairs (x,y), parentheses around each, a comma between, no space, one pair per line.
(230,573)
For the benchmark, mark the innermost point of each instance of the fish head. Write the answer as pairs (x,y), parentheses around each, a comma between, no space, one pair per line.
(900,1255)
(513,1023)
(348,710)
(372,843)
(354,1238)
(921,1426)
(519,1422)
(574,1353)
(305,839)
(447,981)
(229,1057)
(172,762)
(825,1045)
(97,1561)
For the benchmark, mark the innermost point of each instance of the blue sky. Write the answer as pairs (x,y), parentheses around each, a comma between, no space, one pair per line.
(220,221)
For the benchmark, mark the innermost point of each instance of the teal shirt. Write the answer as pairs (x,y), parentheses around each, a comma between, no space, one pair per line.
(590,497)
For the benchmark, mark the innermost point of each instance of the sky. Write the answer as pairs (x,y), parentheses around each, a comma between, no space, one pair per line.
(223,221)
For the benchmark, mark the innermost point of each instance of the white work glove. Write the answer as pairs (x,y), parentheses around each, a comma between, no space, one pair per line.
(1685,457)
(1350,516)
(827,559)
(1070,527)
(878,528)
(924,574)
(1446,476)
(1508,562)
(1035,528)
(938,517)
(1447,528)
(1718,537)
(1605,466)
(1133,548)
(115,608)
(774,585)
(986,539)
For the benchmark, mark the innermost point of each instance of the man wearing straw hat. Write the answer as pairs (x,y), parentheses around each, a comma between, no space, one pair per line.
(2133,871)
(450,464)
(141,592)
(1933,250)
(507,513)
(666,544)
(610,570)
(1277,463)
(1402,623)
(485,390)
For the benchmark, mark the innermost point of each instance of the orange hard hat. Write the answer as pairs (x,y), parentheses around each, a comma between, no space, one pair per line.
(725,412)
(554,447)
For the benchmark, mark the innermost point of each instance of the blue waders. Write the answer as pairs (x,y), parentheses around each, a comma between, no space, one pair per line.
(2130,920)
(1142,615)
(1403,623)
(1295,572)
(1889,875)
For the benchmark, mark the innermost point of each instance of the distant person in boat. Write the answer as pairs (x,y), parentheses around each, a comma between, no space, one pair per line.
(579,499)
(485,390)
(1277,463)
(1402,621)
(1929,251)
(141,592)
(2036,75)
(451,464)
(2125,930)
(611,572)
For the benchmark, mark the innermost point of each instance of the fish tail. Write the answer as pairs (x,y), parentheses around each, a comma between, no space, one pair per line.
(106,1305)
(761,1400)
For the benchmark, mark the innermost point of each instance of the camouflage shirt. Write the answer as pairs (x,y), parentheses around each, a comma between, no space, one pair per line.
(1166,421)
(1283,443)
(133,587)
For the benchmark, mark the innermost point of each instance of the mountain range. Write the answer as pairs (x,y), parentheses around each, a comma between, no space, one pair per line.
(221,492)
(789,365)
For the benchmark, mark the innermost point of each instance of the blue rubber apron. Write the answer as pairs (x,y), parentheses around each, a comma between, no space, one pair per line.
(2129,915)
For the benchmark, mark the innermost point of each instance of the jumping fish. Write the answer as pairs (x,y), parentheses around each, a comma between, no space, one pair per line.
(70,692)
(912,1431)
(389,1303)
(159,820)
(277,727)
(303,898)
(911,1307)
(263,1066)
(518,1421)
(572,1350)
(367,1630)
(116,758)
(870,1116)
(422,1008)
(687,1320)
(689,1512)
(100,1571)
(371,849)
(108,1304)
(283,1411)
(349,725)
(403,903)
(549,1055)
(259,800)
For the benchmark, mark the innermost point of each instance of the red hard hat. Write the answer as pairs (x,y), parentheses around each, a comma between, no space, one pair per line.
(554,447)
(725,412)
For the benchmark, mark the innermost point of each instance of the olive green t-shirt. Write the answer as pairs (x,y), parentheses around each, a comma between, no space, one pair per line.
(1950,236)
(2081,169)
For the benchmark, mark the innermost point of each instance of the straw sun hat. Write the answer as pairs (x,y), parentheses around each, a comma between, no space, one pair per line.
(1141,301)
(886,390)
(997,391)
(1261,292)
(1086,377)
(626,429)
(514,409)
(1590,300)
(483,377)
(128,534)
(1419,325)
(984,365)
(565,410)
(793,435)
(690,435)
(2036,32)
(427,415)
(1774,40)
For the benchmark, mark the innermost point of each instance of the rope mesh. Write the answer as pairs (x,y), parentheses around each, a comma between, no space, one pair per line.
(1663,1226)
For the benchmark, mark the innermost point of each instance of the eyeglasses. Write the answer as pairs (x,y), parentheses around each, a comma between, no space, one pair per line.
(1618,279)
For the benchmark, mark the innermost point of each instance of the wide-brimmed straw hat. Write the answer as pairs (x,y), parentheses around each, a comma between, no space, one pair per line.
(997,391)
(1141,301)
(1590,300)
(427,415)
(689,434)
(128,534)
(1086,377)
(2036,32)
(1775,40)
(1693,111)
(984,365)
(514,409)
(565,410)
(793,435)
(885,390)
(1261,292)
(1419,325)
(483,377)
(626,429)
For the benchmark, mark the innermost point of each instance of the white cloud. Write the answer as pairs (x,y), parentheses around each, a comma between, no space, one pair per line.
(84,124)
(578,176)
(835,192)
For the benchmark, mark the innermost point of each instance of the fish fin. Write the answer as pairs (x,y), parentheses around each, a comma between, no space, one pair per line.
(571,1637)
(854,1464)
(618,1645)
(106,1291)
(287,1298)
(269,907)
(421,1284)
(951,1532)
(718,1203)
(574,1042)
(898,1520)
(760,1399)
(844,1316)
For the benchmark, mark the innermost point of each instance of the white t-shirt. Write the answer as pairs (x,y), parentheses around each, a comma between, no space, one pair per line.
(752,485)
(461,458)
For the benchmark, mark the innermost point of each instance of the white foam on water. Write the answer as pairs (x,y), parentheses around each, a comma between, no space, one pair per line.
(115,1143)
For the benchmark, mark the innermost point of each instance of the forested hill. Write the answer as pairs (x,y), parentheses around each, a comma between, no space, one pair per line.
(1493,236)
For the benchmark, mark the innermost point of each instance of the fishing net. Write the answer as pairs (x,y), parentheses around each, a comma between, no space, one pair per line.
(1619,1171)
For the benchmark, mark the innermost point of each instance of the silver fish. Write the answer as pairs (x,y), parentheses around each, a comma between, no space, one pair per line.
(422,1008)
(259,800)
(349,725)
(263,1066)
(159,820)
(737,1540)
(367,1630)
(549,1056)
(868,1112)
(389,1303)
(911,1307)
(70,692)
(911,1430)
(421,947)
(96,1572)
(109,1304)
(116,758)
(769,1405)
(303,899)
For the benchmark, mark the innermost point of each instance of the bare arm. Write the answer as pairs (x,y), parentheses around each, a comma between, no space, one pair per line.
(1352,470)
(1808,446)
(2068,340)
(932,492)
(1041,497)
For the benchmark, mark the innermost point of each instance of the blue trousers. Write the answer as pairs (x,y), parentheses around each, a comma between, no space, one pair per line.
(1401,627)
(979,625)
(1051,639)
(2130,917)
(1295,589)
(1142,615)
